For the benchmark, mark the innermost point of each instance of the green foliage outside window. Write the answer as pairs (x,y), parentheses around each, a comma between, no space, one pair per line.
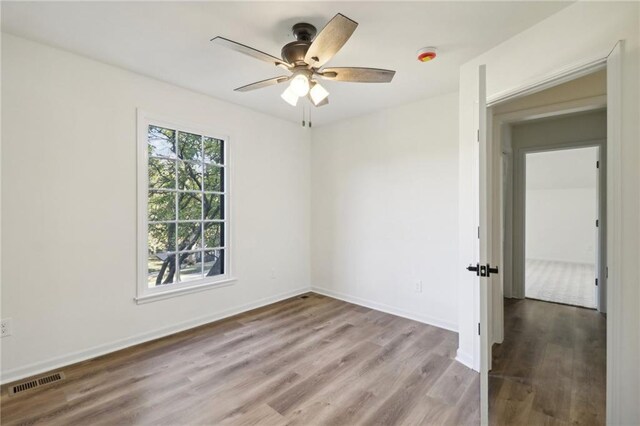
(185,206)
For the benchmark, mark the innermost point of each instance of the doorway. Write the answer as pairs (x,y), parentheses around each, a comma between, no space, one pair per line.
(547,360)
(561,221)
(556,247)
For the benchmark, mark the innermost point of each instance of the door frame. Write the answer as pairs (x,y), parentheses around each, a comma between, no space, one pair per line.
(613,62)
(520,216)
(503,249)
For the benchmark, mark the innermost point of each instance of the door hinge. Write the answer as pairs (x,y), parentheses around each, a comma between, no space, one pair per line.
(478,136)
(597,164)
(478,329)
(606,272)
(597,223)
(478,232)
(596,282)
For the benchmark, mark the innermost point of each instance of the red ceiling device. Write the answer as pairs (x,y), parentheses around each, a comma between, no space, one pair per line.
(427,54)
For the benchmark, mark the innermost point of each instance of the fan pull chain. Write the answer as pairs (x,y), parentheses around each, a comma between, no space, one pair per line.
(308,120)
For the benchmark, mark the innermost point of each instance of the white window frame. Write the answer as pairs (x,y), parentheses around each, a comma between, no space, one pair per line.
(144,293)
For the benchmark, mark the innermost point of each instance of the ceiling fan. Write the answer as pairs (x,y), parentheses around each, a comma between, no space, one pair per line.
(304,59)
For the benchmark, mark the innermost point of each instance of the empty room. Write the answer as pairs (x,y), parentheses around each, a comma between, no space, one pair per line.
(561,230)
(320,213)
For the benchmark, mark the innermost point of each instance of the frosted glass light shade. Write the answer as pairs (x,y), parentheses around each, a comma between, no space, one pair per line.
(300,85)
(289,96)
(318,93)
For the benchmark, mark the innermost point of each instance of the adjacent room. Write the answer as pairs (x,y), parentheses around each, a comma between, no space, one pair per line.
(319,213)
(561,230)
(549,327)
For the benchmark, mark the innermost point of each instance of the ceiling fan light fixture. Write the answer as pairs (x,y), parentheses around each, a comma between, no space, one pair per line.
(290,96)
(300,85)
(304,59)
(318,93)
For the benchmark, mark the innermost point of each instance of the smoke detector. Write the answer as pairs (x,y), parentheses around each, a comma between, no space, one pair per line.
(427,54)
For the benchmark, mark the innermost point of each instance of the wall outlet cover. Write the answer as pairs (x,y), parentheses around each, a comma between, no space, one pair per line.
(5,327)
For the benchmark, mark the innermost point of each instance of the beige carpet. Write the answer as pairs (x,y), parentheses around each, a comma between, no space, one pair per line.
(562,282)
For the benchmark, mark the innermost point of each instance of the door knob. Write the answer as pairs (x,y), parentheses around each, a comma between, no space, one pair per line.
(483,270)
(475,269)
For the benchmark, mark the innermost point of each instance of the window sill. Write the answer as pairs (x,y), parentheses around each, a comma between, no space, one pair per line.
(153,297)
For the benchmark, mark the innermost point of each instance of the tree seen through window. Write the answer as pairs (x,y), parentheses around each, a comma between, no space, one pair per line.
(186,214)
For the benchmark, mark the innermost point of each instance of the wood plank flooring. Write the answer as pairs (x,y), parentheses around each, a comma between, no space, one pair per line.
(551,367)
(303,361)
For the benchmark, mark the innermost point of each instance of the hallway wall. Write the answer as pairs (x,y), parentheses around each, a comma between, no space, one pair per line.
(561,207)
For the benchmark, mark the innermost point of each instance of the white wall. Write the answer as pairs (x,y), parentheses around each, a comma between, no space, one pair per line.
(69,207)
(579,33)
(384,203)
(561,225)
(561,205)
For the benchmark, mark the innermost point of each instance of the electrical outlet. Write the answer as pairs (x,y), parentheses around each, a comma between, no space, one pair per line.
(5,327)
(418,286)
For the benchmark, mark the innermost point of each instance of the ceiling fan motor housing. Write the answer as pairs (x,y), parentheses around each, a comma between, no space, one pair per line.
(303,31)
(295,51)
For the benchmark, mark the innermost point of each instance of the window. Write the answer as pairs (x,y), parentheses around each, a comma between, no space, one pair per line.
(182,207)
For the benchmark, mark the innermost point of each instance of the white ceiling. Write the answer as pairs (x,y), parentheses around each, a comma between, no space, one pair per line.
(170,41)
(566,168)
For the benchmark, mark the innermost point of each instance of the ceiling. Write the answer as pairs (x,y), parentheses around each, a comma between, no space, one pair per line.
(170,41)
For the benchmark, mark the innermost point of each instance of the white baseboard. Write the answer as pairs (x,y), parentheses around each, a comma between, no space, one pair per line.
(72,358)
(386,308)
(464,358)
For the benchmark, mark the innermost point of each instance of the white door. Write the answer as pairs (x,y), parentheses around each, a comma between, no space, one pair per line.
(486,269)
(599,224)
(613,293)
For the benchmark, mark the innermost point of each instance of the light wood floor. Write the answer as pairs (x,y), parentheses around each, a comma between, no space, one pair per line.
(551,367)
(304,361)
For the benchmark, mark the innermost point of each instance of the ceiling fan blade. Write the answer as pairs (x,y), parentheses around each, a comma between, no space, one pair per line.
(323,102)
(331,39)
(249,51)
(263,83)
(358,75)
